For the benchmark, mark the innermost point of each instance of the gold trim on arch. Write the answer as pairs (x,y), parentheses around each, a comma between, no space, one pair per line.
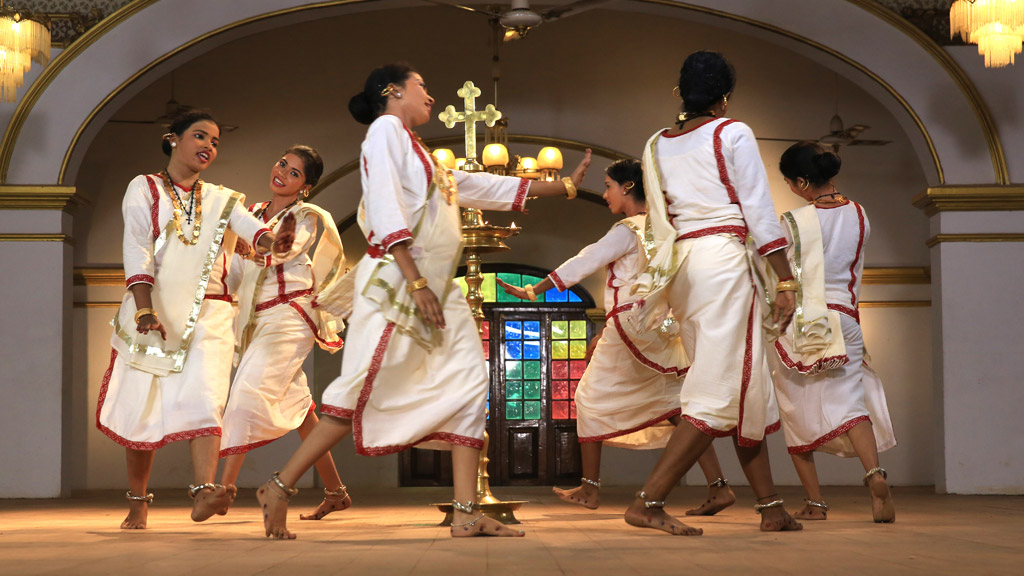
(994,237)
(21,197)
(970,199)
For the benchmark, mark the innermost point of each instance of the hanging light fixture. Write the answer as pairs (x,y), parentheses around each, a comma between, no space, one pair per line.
(996,26)
(24,38)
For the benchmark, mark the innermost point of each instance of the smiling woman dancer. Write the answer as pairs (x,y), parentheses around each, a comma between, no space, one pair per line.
(830,401)
(413,371)
(170,366)
(278,323)
(715,194)
(629,394)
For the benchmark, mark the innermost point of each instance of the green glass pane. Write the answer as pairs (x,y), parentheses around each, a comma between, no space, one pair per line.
(559,330)
(531,390)
(559,349)
(533,281)
(577,349)
(531,370)
(514,410)
(531,410)
(463,286)
(513,279)
(578,329)
(488,287)
(513,370)
(514,390)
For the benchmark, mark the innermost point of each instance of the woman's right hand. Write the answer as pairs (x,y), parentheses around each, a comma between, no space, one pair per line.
(785,305)
(151,322)
(512,290)
(429,306)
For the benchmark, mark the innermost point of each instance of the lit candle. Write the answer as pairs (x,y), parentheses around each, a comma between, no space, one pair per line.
(513,225)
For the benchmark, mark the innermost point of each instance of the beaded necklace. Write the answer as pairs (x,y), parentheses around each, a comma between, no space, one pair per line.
(273,221)
(196,202)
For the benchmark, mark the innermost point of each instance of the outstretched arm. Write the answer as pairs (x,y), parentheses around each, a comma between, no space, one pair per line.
(559,188)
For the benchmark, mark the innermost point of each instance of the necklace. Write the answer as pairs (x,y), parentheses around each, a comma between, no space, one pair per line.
(836,197)
(273,221)
(195,202)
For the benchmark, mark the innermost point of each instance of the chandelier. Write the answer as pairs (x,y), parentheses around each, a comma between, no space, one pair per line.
(24,38)
(996,26)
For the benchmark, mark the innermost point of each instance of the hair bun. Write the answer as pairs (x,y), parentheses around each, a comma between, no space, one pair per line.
(828,163)
(362,109)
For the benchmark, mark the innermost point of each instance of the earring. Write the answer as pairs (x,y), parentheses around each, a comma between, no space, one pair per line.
(803,185)
(305,193)
(675,91)
(398,94)
(725,99)
(174,144)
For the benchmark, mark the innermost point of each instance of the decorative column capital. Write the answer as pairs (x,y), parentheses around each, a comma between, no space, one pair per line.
(970,198)
(34,197)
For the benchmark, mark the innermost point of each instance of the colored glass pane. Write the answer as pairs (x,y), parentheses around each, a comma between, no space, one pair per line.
(572,409)
(559,330)
(553,295)
(487,351)
(560,389)
(513,370)
(531,410)
(572,388)
(531,349)
(463,286)
(533,281)
(560,370)
(485,330)
(531,370)
(531,330)
(578,329)
(514,390)
(559,349)
(514,349)
(513,330)
(576,369)
(513,410)
(488,287)
(573,298)
(578,349)
(560,410)
(531,390)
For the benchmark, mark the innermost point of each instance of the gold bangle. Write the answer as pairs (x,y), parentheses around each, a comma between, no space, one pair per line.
(530,293)
(144,312)
(417,284)
(787,286)
(570,188)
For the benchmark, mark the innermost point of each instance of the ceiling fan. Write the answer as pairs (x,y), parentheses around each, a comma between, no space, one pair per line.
(838,136)
(519,18)
(171,109)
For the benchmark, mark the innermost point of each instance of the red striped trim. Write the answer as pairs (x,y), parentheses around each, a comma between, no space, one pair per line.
(856,259)
(346,413)
(280,280)
(723,172)
(740,231)
(706,428)
(830,436)
(844,203)
(644,359)
(648,424)
(376,251)
(336,345)
(256,237)
(520,202)
(748,360)
(665,133)
(154,210)
(427,166)
(557,281)
(146,278)
(174,437)
(394,238)
(619,310)
(772,246)
(851,312)
(282,299)
(223,297)
(801,367)
(246,448)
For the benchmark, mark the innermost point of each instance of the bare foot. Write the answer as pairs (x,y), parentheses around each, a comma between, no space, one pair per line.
(657,518)
(209,502)
(809,512)
(232,493)
(585,495)
(882,509)
(329,504)
(138,513)
(776,519)
(275,512)
(719,498)
(480,525)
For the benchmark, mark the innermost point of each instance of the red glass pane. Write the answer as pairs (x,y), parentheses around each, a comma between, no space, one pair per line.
(485,332)
(559,370)
(560,389)
(572,388)
(577,368)
(487,351)
(572,409)
(560,410)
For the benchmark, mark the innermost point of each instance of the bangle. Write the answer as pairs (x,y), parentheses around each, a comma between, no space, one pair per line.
(787,286)
(570,188)
(417,284)
(530,293)
(786,279)
(144,312)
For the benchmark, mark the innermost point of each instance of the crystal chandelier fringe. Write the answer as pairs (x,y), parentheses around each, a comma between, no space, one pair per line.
(996,26)
(22,41)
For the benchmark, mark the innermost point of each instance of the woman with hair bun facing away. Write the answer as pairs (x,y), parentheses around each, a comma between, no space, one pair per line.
(829,398)
(714,197)
(413,372)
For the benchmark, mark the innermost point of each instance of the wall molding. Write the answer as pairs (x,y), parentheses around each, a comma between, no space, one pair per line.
(23,197)
(987,198)
(894,303)
(897,275)
(995,237)
(109,276)
(37,238)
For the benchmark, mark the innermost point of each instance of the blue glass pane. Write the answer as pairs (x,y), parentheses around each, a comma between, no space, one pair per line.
(531,330)
(531,350)
(513,330)
(513,350)
(573,297)
(553,295)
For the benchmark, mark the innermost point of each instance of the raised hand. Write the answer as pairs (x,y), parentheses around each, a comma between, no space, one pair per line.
(285,235)
(581,170)
(512,290)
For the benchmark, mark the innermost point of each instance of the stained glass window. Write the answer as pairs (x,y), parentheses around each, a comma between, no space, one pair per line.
(494,293)
(522,370)
(568,352)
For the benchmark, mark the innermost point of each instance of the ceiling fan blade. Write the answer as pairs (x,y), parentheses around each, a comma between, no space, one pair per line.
(856,129)
(869,142)
(487,13)
(572,9)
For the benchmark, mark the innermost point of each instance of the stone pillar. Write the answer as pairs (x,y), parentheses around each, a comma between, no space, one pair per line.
(35,346)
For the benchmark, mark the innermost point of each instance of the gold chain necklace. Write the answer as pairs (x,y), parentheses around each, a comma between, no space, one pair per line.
(179,210)
(273,221)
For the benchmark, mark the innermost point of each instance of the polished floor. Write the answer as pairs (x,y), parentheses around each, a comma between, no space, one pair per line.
(394,532)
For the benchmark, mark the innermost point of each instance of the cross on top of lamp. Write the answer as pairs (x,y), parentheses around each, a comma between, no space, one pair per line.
(470,116)
(24,38)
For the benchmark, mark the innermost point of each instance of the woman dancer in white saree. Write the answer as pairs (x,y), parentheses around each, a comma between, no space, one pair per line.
(628,396)
(413,373)
(829,399)
(715,196)
(170,366)
(278,324)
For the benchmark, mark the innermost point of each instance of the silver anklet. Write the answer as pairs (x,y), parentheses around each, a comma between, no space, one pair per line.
(470,523)
(773,504)
(719,483)
(288,492)
(341,492)
(873,471)
(194,489)
(148,498)
(817,504)
(466,508)
(594,483)
(649,503)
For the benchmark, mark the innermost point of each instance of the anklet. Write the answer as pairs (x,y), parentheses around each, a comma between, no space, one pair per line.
(148,498)
(649,503)
(466,508)
(341,492)
(873,471)
(719,483)
(470,523)
(289,492)
(193,489)
(594,483)
(817,504)
(773,504)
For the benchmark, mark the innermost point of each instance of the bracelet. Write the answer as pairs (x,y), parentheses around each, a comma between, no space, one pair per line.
(787,286)
(790,277)
(417,284)
(530,293)
(570,188)
(144,312)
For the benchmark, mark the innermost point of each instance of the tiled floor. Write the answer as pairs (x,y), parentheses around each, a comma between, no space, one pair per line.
(395,532)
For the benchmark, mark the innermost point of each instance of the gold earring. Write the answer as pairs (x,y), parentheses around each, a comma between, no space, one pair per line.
(305,193)
(803,185)
(388,90)
(725,99)
(628,186)
(675,91)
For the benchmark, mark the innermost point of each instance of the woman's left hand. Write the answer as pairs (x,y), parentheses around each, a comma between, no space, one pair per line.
(285,235)
(581,170)
(512,290)
(785,305)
